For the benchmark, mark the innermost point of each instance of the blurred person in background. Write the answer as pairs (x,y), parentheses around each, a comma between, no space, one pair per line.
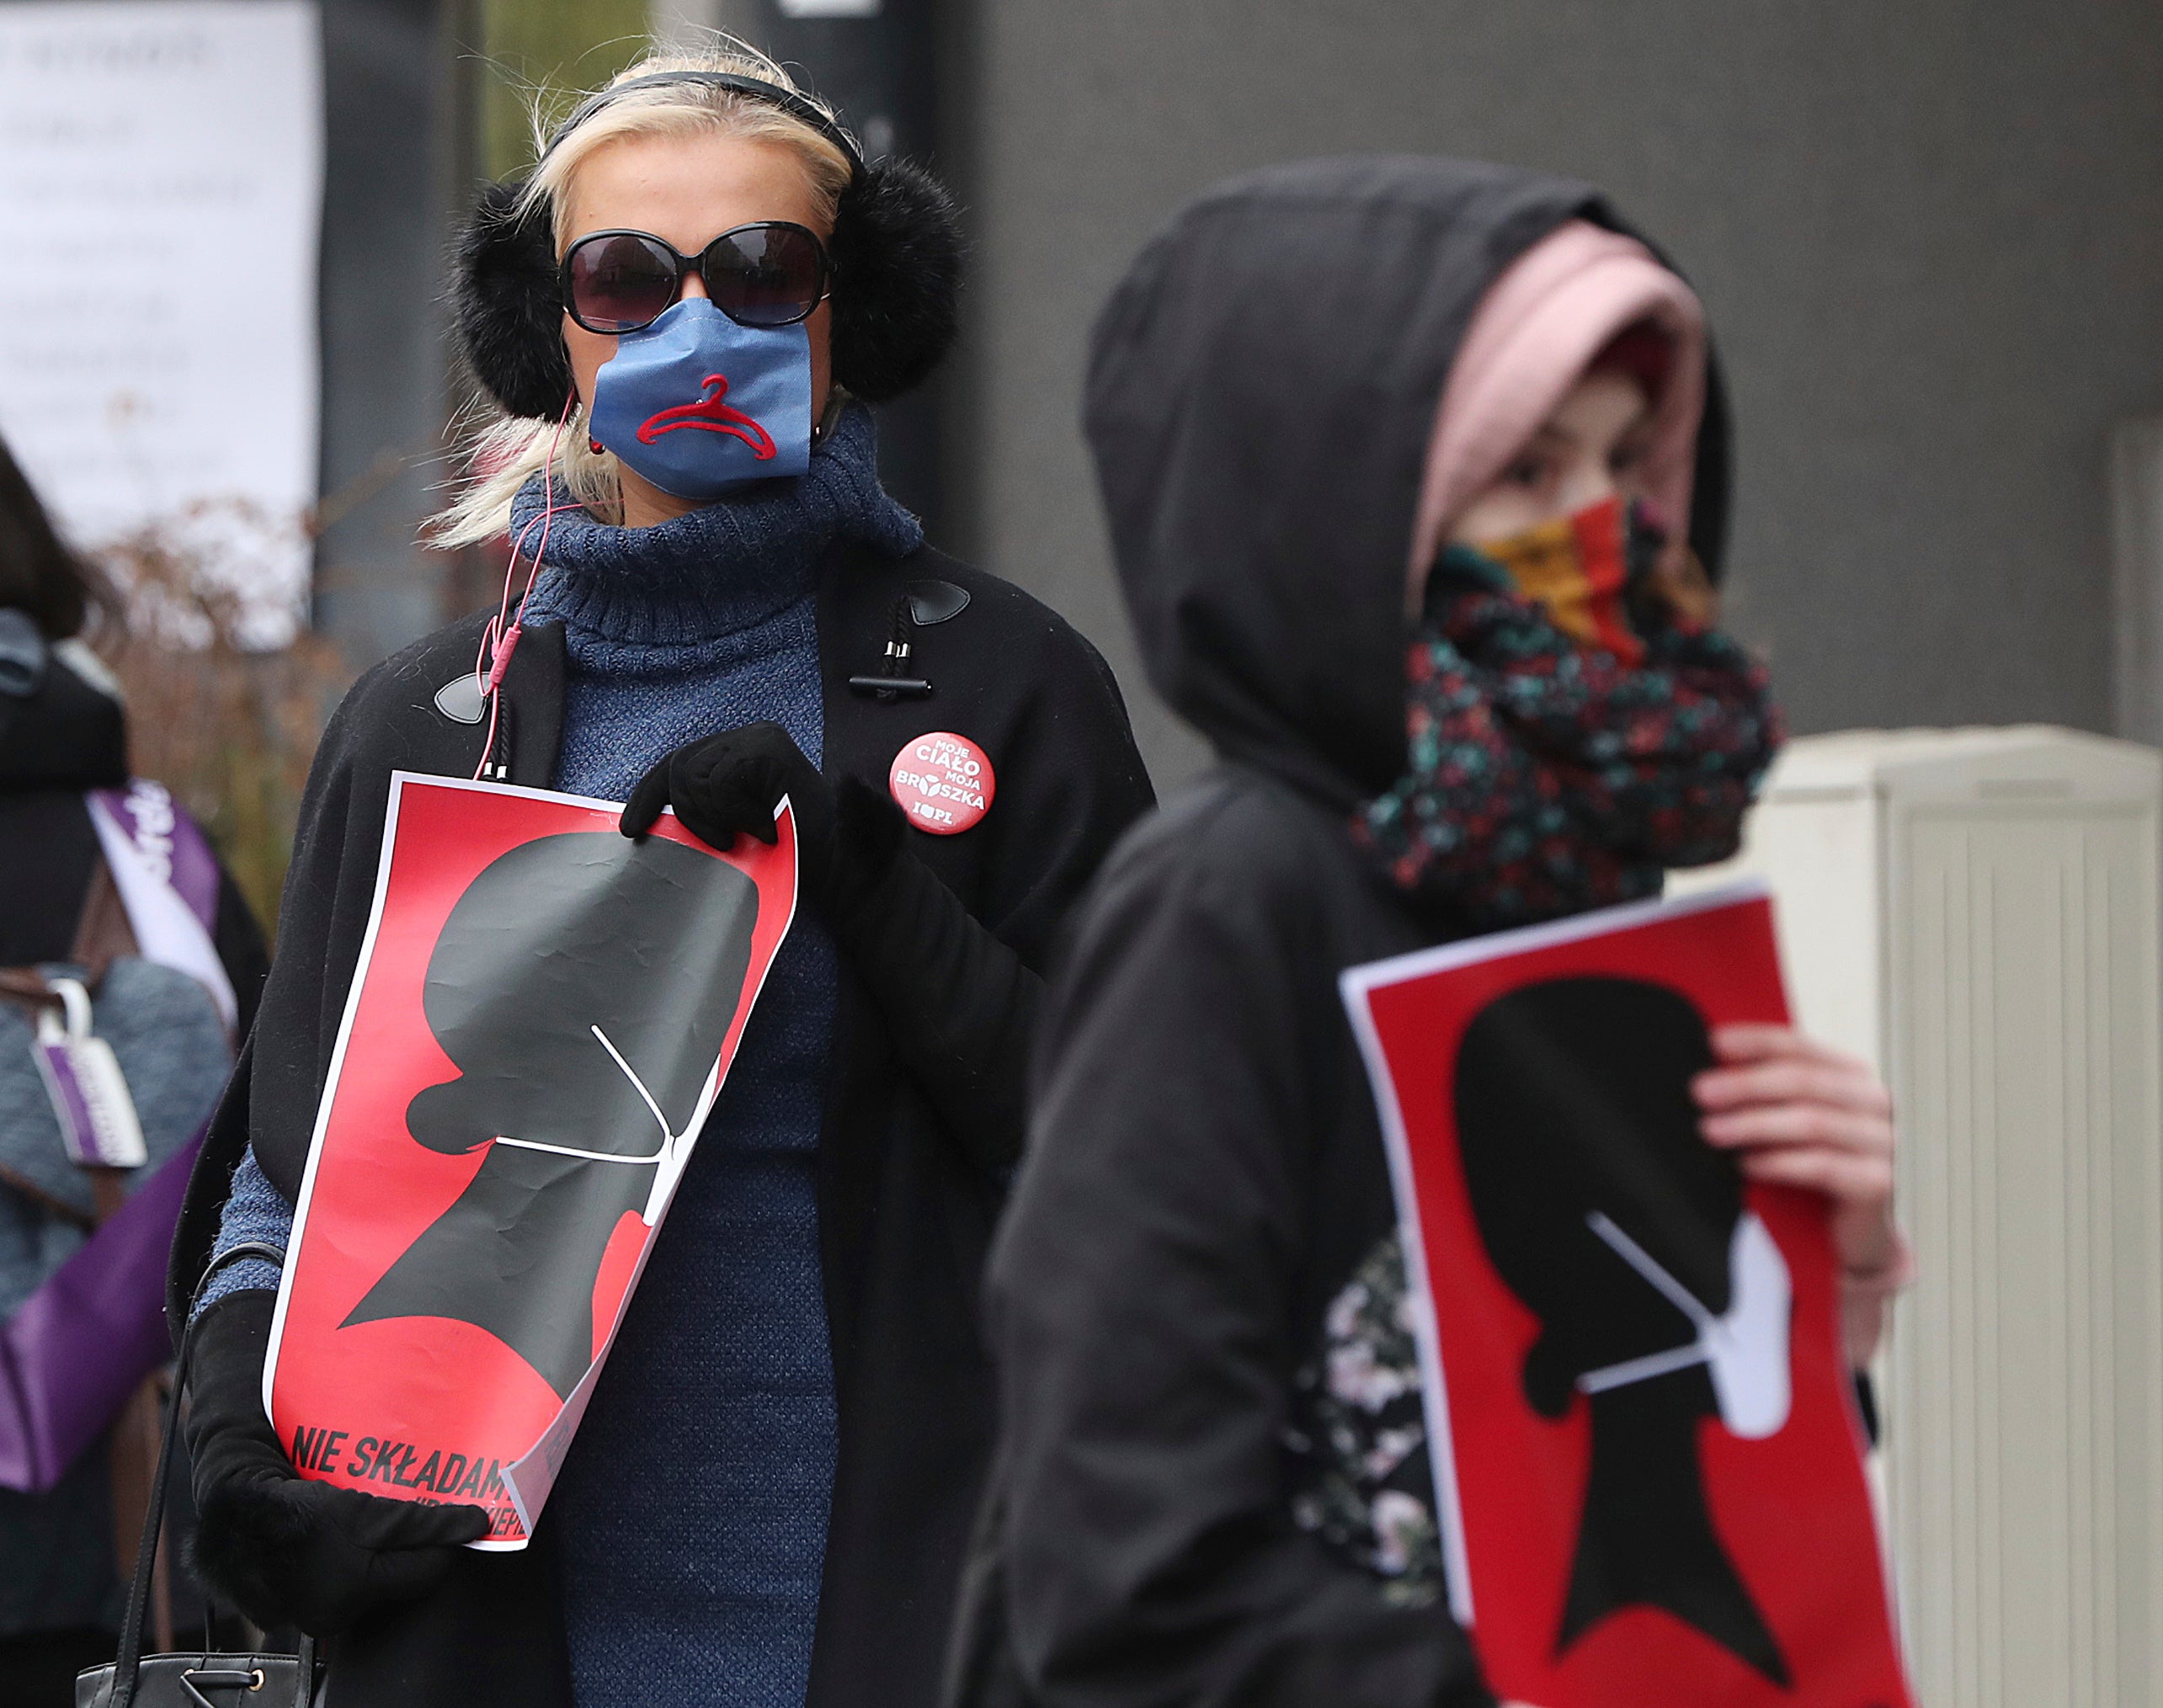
(769,1498)
(1414,469)
(107,888)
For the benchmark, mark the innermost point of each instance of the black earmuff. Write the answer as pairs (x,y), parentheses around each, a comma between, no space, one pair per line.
(897,248)
(897,275)
(509,313)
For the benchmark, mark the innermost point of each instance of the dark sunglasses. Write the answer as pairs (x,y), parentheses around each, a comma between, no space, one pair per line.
(773,273)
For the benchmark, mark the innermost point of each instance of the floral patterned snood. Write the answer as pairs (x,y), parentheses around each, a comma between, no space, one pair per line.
(1548,776)
(1357,1436)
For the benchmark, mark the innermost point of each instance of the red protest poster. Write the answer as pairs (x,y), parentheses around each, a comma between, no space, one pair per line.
(1647,1458)
(541,1017)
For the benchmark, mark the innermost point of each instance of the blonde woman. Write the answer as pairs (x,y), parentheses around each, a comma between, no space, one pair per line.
(682,314)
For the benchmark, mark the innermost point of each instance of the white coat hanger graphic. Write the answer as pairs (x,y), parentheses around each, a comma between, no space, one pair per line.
(1745,1347)
(668,1157)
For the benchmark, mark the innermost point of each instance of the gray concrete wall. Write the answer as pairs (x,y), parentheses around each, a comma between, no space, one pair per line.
(1930,236)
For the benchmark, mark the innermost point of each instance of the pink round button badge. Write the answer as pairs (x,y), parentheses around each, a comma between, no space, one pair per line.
(943,781)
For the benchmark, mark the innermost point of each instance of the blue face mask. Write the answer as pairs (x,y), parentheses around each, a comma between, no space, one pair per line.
(699,405)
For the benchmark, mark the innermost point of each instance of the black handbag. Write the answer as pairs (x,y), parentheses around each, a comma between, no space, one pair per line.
(201,1679)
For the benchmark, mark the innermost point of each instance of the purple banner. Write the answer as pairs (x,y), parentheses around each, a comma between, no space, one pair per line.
(84,1341)
(171,844)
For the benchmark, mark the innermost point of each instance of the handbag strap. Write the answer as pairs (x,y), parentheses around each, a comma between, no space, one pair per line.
(129,1659)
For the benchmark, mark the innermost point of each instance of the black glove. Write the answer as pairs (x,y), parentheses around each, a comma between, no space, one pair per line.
(730,783)
(284,1550)
(960,1005)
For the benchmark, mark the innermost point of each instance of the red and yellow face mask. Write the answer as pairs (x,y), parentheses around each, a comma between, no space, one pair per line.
(1577,566)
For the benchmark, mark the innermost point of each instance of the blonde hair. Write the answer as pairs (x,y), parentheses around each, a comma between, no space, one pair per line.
(505,451)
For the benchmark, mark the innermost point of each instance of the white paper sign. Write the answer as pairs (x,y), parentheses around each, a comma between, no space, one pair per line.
(161,190)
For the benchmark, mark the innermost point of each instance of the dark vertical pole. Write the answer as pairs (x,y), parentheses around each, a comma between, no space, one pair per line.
(877,62)
(472,573)
(382,341)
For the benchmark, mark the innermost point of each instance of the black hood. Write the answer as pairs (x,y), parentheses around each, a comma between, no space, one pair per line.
(64,734)
(1261,388)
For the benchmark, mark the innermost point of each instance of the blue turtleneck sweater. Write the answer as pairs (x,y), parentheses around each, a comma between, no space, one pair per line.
(691,1513)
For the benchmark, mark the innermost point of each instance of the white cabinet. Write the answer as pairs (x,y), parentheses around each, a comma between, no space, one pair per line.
(1976,912)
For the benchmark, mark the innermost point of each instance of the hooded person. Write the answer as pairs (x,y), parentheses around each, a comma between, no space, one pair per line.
(682,315)
(110,885)
(1416,472)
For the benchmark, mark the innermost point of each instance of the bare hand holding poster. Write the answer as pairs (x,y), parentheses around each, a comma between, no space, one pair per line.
(1647,1457)
(541,1017)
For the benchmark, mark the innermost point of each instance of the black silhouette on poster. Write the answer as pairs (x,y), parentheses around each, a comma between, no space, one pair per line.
(1659,1295)
(584,985)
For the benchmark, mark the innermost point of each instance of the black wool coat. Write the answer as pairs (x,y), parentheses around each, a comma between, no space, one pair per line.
(1207,1173)
(922,1120)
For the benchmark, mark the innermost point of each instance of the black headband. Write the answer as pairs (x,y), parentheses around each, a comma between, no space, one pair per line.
(896,241)
(773,94)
